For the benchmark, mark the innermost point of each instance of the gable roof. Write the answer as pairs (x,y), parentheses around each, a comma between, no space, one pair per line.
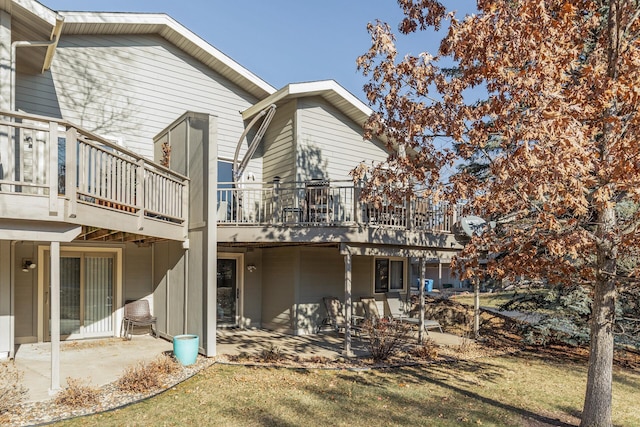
(101,23)
(34,21)
(330,90)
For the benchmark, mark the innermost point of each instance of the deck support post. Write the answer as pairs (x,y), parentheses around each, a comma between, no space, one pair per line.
(55,317)
(347,305)
(423,268)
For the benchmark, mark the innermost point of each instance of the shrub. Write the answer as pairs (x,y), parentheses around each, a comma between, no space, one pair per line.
(164,365)
(139,378)
(428,350)
(384,337)
(271,354)
(12,391)
(77,394)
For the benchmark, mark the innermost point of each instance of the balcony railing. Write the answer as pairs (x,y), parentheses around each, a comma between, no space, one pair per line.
(325,203)
(51,158)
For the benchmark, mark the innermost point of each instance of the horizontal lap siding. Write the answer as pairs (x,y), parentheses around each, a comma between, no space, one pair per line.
(331,142)
(279,146)
(132,87)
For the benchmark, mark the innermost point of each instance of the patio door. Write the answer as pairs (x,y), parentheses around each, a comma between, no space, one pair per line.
(229,279)
(86,295)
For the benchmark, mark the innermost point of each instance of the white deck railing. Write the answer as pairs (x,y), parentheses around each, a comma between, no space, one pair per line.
(325,203)
(51,158)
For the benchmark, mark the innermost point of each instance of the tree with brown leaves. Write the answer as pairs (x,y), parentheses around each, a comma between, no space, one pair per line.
(557,134)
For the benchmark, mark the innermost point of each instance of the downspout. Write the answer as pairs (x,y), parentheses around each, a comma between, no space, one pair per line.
(49,44)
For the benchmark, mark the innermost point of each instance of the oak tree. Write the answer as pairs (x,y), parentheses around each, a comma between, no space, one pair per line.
(556,131)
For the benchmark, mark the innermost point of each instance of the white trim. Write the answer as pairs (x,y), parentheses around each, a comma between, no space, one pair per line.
(404,274)
(169,29)
(118,279)
(329,89)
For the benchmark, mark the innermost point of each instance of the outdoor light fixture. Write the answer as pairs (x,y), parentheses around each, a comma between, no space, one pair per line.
(251,268)
(27,265)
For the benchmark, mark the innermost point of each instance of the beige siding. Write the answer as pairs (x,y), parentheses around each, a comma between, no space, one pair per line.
(137,283)
(132,87)
(279,145)
(329,145)
(26,294)
(279,281)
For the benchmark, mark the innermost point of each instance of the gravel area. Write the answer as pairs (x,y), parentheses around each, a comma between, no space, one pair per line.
(44,412)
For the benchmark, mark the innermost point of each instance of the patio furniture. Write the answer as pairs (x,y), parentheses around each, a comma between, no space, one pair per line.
(317,201)
(370,307)
(335,315)
(397,311)
(137,313)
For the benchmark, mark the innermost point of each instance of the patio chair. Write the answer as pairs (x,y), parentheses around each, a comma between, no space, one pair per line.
(370,307)
(335,315)
(137,313)
(397,311)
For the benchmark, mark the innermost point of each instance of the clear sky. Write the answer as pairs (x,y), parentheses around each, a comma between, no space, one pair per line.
(281,41)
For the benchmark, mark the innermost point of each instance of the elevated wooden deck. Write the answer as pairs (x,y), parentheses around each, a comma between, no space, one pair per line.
(52,171)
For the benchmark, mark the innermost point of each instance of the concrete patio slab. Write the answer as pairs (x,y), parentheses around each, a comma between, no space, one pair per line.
(101,361)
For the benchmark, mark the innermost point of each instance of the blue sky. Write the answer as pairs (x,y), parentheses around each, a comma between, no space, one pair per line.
(281,41)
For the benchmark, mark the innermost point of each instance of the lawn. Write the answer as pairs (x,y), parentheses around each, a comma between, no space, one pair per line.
(515,390)
(494,299)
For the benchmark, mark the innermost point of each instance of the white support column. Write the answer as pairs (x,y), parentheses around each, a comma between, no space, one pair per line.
(6,294)
(423,268)
(55,317)
(347,305)
(439,274)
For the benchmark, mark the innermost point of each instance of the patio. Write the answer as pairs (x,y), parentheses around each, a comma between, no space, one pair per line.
(101,361)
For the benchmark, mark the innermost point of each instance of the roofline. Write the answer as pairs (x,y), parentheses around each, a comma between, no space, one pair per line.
(165,26)
(48,15)
(322,88)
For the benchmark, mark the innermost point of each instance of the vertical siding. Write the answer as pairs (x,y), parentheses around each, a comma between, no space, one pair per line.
(278,288)
(279,149)
(137,283)
(329,143)
(132,86)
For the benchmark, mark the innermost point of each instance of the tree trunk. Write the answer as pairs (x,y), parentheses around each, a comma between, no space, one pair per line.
(597,402)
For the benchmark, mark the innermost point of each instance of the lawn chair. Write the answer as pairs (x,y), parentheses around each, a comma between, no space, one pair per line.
(397,311)
(335,315)
(370,307)
(137,313)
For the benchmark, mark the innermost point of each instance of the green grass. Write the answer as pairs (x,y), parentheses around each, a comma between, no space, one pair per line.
(522,390)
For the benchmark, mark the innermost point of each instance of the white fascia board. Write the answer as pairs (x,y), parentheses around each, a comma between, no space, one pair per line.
(329,89)
(37,9)
(169,27)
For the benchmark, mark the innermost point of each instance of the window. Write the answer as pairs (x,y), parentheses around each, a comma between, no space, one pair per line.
(389,275)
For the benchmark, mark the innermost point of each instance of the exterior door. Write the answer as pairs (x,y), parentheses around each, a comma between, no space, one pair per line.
(228,292)
(86,296)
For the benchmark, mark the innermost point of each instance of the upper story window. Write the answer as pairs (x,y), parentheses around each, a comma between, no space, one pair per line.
(388,275)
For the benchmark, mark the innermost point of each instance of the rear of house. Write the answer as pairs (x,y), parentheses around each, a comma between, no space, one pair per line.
(140,162)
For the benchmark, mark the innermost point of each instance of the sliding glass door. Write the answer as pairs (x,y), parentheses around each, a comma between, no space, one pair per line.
(86,295)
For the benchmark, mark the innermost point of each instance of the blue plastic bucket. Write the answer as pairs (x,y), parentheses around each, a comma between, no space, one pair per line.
(185,348)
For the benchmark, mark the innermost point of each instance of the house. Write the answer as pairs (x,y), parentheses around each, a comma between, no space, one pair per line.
(138,161)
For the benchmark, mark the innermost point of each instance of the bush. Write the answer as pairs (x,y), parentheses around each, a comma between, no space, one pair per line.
(144,377)
(77,394)
(428,350)
(384,337)
(139,379)
(271,354)
(12,391)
